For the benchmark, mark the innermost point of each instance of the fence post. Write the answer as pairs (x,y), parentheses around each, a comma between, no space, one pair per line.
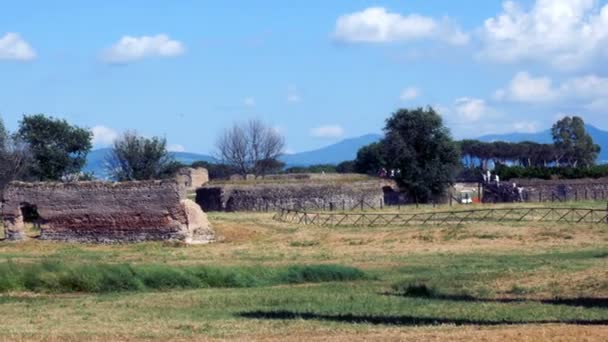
(607,212)
(586,193)
(576,195)
(362,204)
(540,196)
(478,193)
(331,206)
(381,204)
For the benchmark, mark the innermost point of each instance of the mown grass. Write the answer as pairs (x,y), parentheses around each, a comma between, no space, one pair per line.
(469,282)
(58,277)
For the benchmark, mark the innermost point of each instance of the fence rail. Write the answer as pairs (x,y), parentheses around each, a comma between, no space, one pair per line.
(566,215)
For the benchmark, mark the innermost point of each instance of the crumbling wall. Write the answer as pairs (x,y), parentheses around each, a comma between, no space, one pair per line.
(557,190)
(192,178)
(101,212)
(310,195)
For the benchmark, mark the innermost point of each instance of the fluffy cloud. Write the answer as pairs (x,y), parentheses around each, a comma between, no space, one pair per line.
(377,25)
(13,47)
(471,109)
(590,89)
(568,34)
(327,131)
(409,93)
(526,88)
(130,49)
(103,136)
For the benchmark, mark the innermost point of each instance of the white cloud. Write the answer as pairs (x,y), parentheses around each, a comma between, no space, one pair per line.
(13,47)
(568,34)
(293,95)
(377,25)
(327,131)
(471,109)
(249,102)
(526,88)
(591,89)
(103,136)
(130,49)
(409,93)
(176,148)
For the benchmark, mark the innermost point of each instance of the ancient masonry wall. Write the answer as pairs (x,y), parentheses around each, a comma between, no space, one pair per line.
(102,212)
(310,196)
(192,178)
(538,190)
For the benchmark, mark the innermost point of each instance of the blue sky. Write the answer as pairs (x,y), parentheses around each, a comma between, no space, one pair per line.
(318,71)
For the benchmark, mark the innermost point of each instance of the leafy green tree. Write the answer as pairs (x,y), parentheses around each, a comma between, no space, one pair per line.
(346,167)
(370,159)
(58,149)
(572,139)
(421,147)
(134,157)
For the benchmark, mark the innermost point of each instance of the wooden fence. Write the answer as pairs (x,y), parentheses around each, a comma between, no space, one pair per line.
(566,215)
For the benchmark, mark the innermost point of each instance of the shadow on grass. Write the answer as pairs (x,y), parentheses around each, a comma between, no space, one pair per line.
(586,302)
(401,320)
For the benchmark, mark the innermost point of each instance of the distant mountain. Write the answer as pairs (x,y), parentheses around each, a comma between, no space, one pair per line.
(96,160)
(599,136)
(333,154)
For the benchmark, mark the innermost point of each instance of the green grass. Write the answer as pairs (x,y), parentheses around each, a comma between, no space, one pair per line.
(58,277)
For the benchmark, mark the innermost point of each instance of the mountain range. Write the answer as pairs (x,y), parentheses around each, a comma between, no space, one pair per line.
(347,150)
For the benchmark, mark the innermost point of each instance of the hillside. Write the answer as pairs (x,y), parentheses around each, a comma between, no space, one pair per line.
(332,154)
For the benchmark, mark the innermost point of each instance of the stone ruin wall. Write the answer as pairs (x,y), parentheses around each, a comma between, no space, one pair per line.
(560,190)
(306,196)
(192,178)
(536,190)
(104,212)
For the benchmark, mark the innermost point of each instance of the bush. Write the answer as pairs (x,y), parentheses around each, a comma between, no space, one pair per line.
(416,289)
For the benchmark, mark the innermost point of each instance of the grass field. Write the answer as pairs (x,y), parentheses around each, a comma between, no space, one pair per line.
(266,280)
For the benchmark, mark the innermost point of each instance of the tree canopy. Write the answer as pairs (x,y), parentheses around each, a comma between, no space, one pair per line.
(58,149)
(575,144)
(134,157)
(419,145)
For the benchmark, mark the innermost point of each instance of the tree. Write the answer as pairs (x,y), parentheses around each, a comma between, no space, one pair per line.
(576,145)
(421,147)
(346,167)
(58,149)
(134,157)
(245,145)
(370,159)
(14,157)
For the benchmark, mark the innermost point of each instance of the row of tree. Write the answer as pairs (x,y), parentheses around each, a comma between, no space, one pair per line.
(572,147)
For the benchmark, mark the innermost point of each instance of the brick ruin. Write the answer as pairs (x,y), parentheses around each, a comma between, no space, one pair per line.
(104,212)
(192,178)
(303,195)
